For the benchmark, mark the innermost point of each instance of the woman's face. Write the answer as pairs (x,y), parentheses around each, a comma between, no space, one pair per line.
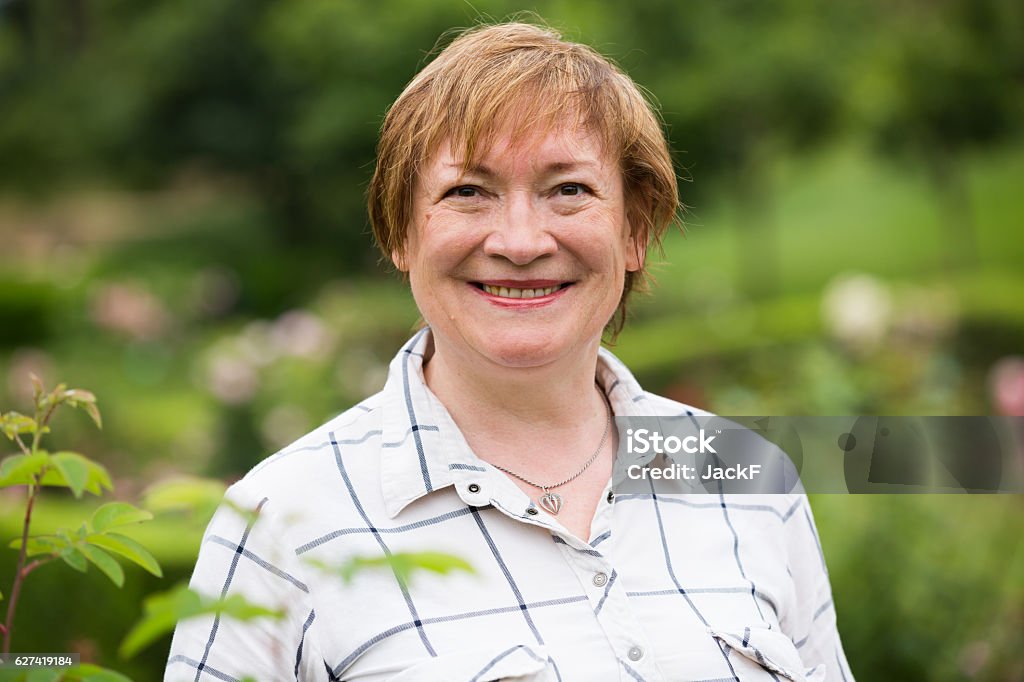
(520,260)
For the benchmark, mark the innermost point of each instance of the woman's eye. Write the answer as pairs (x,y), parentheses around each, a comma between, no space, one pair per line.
(465,191)
(571,189)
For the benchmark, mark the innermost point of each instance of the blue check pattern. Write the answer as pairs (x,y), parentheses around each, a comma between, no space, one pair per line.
(687,587)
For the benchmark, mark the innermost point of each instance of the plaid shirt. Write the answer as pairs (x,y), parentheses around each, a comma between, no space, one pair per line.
(699,587)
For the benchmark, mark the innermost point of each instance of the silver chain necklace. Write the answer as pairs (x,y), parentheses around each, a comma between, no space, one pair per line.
(552,502)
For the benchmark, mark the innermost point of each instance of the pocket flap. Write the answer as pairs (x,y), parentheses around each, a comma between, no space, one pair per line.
(517,662)
(772,651)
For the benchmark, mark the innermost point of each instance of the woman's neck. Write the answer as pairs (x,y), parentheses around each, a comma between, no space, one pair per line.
(544,423)
(503,404)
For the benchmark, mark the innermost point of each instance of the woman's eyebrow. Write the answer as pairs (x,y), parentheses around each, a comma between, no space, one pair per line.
(477,169)
(568,166)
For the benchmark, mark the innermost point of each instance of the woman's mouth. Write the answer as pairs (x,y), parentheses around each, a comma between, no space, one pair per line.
(524,291)
(512,292)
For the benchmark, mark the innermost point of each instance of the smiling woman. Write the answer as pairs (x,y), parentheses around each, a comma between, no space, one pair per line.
(520,181)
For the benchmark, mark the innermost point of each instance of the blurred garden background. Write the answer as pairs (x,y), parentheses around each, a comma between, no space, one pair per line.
(183,232)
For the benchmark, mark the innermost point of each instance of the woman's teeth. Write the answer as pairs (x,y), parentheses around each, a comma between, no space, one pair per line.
(506,292)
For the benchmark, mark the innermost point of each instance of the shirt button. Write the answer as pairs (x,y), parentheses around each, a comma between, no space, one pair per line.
(611,497)
(474,488)
(532,511)
(600,579)
(635,653)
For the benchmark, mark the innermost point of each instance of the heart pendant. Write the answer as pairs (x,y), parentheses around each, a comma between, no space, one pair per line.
(551,502)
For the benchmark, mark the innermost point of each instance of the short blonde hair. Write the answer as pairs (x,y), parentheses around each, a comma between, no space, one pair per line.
(526,76)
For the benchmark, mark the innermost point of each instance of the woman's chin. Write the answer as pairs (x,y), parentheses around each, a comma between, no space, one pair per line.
(524,353)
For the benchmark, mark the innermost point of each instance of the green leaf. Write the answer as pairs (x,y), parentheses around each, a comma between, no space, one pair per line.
(21,469)
(403,564)
(129,549)
(200,496)
(435,562)
(88,672)
(104,562)
(160,614)
(74,558)
(14,423)
(74,470)
(48,544)
(97,477)
(94,414)
(44,675)
(240,608)
(77,397)
(162,611)
(115,514)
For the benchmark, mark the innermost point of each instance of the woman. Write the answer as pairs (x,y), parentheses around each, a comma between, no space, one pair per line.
(520,180)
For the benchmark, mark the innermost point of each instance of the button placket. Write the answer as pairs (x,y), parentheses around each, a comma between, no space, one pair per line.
(616,616)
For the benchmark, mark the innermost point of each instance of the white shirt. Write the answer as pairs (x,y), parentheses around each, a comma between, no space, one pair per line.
(701,587)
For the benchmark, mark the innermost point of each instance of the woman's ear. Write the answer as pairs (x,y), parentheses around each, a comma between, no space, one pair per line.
(398,258)
(636,252)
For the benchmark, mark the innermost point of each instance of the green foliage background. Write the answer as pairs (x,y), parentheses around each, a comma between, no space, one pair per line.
(182,231)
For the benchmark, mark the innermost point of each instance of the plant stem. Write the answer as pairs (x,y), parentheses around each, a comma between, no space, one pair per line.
(20,573)
(21,444)
(36,564)
(41,426)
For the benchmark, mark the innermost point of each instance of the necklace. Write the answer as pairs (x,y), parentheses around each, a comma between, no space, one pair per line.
(552,502)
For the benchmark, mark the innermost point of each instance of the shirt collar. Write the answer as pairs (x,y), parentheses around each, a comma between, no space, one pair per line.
(422,450)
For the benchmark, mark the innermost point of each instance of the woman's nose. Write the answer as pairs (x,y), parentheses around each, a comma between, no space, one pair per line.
(520,233)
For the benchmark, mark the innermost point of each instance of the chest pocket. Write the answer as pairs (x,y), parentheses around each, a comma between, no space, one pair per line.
(519,663)
(765,654)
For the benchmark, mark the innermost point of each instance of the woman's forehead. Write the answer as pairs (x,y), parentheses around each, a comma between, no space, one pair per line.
(563,147)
